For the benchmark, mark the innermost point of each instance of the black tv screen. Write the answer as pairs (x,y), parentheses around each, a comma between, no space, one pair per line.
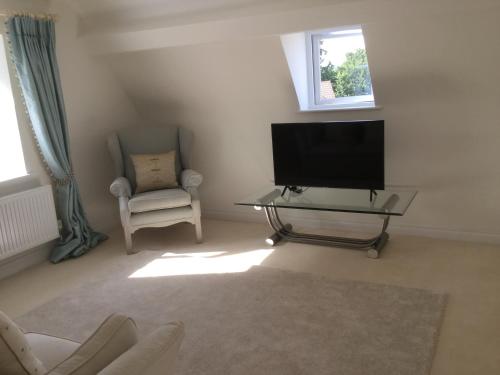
(348,154)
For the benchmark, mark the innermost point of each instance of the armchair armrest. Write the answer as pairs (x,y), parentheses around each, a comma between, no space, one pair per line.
(191,179)
(115,335)
(120,187)
(155,354)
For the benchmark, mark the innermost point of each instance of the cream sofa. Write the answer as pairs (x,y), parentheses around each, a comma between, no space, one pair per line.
(113,349)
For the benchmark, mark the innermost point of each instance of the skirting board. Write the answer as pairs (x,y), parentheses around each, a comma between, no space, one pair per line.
(29,258)
(406,230)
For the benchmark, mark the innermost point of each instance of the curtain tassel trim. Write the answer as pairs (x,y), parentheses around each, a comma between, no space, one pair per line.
(37,16)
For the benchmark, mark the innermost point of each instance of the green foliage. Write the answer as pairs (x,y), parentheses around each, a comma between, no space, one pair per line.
(352,78)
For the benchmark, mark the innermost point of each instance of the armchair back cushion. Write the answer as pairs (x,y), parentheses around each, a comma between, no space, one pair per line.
(50,350)
(148,140)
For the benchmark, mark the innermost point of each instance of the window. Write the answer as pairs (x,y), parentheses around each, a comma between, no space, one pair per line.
(339,76)
(11,152)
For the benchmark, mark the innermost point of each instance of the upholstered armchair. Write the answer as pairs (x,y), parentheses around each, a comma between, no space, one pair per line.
(113,349)
(159,208)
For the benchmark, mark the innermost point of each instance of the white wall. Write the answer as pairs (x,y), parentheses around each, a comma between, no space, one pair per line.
(37,173)
(34,167)
(435,74)
(95,106)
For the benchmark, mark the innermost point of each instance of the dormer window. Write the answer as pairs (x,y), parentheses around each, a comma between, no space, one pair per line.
(330,69)
(339,66)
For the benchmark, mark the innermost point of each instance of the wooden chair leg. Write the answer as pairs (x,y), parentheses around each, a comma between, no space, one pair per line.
(199,234)
(128,242)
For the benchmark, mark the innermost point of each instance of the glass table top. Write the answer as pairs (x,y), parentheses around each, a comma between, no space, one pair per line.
(392,201)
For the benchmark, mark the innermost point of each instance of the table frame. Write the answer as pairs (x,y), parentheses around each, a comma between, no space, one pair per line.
(285,232)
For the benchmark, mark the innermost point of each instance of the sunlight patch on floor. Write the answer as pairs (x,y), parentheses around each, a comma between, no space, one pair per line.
(171,264)
(195,255)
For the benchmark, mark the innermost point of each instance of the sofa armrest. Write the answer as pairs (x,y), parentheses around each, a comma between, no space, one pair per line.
(120,187)
(115,335)
(155,354)
(190,178)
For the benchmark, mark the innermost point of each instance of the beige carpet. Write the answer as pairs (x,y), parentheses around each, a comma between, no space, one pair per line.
(264,321)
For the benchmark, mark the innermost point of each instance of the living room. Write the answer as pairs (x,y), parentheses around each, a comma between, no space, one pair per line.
(224,71)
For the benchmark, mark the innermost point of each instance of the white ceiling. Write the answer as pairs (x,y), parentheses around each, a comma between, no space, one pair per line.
(112,26)
(88,8)
(24,5)
(120,15)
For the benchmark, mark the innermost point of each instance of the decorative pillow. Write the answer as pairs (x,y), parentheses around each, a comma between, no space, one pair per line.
(154,171)
(16,357)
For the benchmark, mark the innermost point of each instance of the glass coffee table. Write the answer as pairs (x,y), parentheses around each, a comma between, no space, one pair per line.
(384,203)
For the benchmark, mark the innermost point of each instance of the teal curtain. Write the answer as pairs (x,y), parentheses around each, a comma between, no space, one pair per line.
(32,45)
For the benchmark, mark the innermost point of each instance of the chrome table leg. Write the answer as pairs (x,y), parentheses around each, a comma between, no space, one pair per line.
(285,232)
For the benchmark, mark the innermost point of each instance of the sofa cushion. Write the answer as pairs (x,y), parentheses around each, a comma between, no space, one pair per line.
(16,357)
(51,350)
(116,335)
(159,200)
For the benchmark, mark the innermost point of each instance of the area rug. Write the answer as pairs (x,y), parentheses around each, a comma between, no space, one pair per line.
(264,321)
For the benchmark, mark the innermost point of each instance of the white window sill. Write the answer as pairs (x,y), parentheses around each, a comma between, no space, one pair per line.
(332,108)
(17,179)
(18,184)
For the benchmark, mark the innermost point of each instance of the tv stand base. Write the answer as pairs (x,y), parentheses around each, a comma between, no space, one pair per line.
(373,245)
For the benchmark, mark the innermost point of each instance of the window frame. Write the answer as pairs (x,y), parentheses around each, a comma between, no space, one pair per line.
(314,73)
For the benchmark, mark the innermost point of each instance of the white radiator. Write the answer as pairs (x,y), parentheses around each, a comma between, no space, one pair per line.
(27,219)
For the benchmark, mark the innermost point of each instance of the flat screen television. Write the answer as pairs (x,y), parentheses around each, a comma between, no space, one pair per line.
(340,154)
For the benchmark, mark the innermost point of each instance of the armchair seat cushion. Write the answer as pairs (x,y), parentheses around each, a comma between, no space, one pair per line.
(162,217)
(159,200)
(50,350)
